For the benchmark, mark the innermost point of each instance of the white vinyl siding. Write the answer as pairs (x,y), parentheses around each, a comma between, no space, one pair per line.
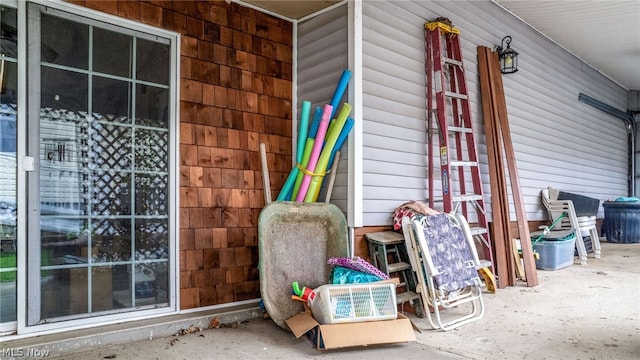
(558,140)
(322,57)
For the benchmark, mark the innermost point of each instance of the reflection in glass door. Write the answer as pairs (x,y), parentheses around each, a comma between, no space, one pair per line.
(8,164)
(101,193)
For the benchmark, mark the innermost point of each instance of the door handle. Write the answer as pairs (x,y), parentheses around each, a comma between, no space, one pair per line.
(28,163)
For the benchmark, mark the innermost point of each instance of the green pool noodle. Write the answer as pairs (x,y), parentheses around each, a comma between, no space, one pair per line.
(305,160)
(331,139)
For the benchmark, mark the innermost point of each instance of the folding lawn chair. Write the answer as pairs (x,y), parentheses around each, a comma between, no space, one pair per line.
(443,256)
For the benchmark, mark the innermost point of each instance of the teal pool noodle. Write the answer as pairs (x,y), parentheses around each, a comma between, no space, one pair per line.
(339,92)
(341,139)
(315,123)
(303,129)
(288,185)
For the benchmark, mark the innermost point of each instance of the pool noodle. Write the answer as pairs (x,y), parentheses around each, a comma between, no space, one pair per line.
(288,196)
(340,88)
(341,139)
(311,134)
(291,185)
(315,153)
(321,164)
(286,188)
(299,174)
(314,124)
(285,192)
(303,130)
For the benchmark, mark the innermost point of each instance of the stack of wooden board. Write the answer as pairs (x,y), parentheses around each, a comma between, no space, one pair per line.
(499,149)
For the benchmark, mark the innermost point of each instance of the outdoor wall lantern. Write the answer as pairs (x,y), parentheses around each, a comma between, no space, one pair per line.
(508,56)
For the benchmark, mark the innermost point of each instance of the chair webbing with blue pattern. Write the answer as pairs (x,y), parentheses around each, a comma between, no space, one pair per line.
(450,254)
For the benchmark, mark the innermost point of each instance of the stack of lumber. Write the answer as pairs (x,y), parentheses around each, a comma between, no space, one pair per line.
(499,151)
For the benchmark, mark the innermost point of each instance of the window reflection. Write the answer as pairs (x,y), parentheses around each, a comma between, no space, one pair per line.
(8,32)
(64,90)
(8,163)
(152,106)
(103,176)
(64,42)
(152,62)
(112,99)
(113,56)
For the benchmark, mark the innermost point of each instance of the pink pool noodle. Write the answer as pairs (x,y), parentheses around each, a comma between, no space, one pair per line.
(315,152)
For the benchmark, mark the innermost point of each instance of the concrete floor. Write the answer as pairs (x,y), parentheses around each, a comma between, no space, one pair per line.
(579,312)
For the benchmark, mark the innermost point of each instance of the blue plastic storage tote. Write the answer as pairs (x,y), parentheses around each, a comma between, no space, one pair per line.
(555,254)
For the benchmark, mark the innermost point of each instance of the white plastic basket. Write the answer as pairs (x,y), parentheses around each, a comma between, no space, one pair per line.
(335,304)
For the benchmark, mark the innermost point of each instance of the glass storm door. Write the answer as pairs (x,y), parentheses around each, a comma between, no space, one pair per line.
(99,199)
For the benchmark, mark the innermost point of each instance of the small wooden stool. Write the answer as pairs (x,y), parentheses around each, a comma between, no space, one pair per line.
(384,245)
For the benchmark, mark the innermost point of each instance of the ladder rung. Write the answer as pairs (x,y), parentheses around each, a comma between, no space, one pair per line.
(456,95)
(452,61)
(463,163)
(400,266)
(460,129)
(477,230)
(467,197)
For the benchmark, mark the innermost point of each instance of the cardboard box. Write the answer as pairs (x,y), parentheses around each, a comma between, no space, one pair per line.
(84,251)
(102,297)
(334,336)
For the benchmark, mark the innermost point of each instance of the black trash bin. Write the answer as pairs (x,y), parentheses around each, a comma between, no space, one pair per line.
(622,221)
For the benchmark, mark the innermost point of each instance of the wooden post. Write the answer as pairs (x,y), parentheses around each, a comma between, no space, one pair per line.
(332,177)
(265,175)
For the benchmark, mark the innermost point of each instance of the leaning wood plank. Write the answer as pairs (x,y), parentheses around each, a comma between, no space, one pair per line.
(265,175)
(503,185)
(498,228)
(502,194)
(504,197)
(498,233)
(332,177)
(521,215)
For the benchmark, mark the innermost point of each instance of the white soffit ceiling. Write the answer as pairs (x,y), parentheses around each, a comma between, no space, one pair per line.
(603,33)
(291,9)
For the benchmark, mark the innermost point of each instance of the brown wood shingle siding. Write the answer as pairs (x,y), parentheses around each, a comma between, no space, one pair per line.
(235,92)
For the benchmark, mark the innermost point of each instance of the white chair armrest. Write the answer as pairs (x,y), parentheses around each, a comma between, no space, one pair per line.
(561,202)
